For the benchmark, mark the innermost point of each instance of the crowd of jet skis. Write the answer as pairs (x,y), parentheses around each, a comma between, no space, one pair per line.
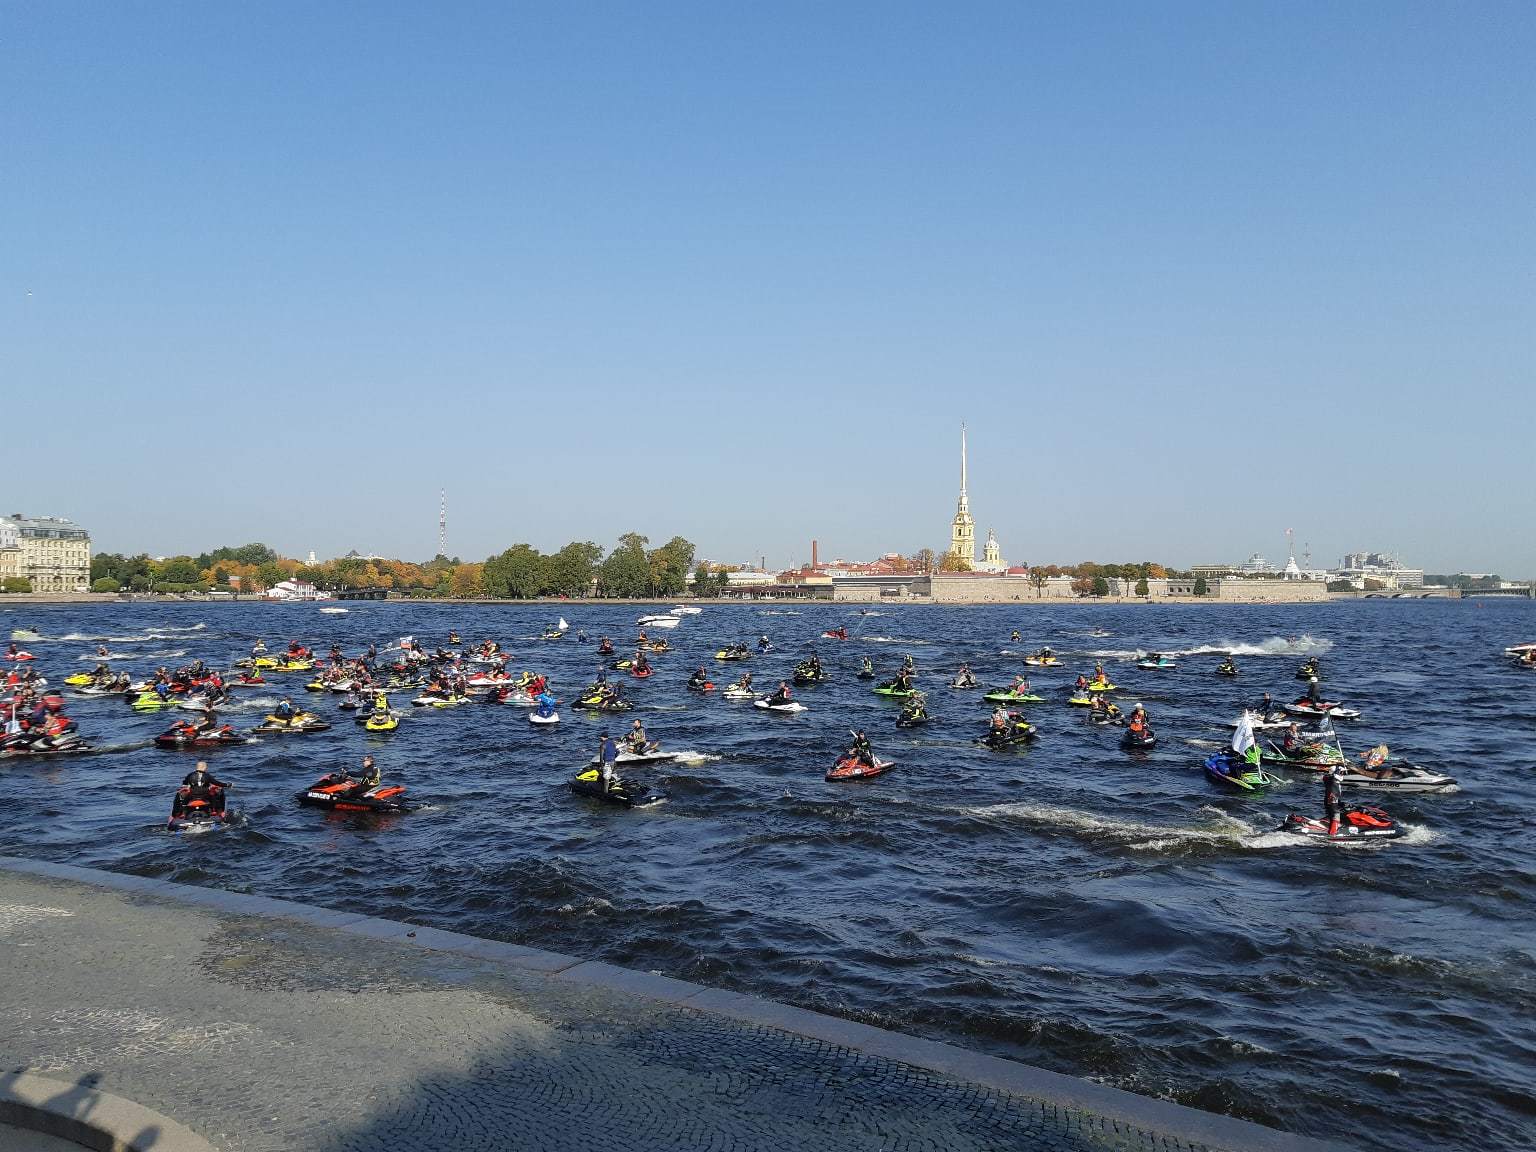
(1297,736)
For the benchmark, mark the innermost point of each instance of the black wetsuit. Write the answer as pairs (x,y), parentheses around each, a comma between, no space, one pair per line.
(200,786)
(1333,797)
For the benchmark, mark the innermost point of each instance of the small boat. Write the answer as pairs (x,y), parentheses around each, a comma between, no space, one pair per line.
(686,610)
(334,611)
(1153,663)
(787,706)
(659,621)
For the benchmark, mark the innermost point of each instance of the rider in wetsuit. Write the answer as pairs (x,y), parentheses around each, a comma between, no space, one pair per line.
(1333,798)
(199,784)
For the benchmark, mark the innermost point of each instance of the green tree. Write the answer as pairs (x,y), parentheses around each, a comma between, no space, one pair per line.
(667,567)
(627,571)
(1141,587)
(569,572)
(16,584)
(517,574)
(269,574)
(703,581)
(106,584)
(178,570)
(1100,586)
(722,582)
(1201,588)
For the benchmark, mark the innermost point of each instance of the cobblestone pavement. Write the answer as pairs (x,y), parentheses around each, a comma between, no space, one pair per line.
(263,1032)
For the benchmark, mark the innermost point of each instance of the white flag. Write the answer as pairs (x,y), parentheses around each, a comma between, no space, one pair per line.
(1242,739)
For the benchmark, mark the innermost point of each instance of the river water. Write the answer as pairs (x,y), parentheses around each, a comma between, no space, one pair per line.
(1072,905)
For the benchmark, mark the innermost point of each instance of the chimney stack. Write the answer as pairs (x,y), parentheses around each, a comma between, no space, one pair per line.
(814,563)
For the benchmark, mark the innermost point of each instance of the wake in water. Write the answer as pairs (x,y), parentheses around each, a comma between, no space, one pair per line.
(1275,646)
(889,640)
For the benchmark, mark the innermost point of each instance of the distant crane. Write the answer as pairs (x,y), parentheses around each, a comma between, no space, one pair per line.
(442,524)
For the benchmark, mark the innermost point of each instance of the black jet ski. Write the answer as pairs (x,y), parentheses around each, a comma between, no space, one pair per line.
(342,793)
(191,736)
(1019,731)
(1357,824)
(69,744)
(592,702)
(624,793)
(913,714)
(1138,741)
(808,674)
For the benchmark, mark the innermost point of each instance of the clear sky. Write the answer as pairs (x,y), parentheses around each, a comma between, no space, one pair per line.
(1193,273)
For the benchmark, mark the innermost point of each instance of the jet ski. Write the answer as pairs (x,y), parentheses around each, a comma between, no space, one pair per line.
(379,721)
(624,664)
(1309,670)
(1226,668)
(1235,772)
(734,652)
(1272,720)
(851,768)
(1044,658)
(1009,696)
(1357,824)
(804,674)
(542,719)
(964,685)
(1019,731)
(697,685)
(25,635)
(659,645)
(204,814)
(1138,741)
(914,712)
(737,692)
(148,701)
(19,657)
(591,702)
(624,793)
(1401,777)
(341,793)
(301,722)
(866,673)
(641,673)
(659,621)
(427,700)
(1100,686)
(69,744)
(787,706)
(835,634)
(1321,756)
(649,756)
(190,736)
(889,689)
(80,679)
(1332,709)
(1153,663)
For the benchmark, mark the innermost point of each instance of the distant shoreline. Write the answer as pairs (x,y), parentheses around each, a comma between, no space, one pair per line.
(81,599)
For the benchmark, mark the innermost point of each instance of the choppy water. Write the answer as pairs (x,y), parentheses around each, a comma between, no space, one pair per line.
(1072,905)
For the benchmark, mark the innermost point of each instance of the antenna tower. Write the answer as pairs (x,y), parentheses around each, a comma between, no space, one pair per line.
(442,524)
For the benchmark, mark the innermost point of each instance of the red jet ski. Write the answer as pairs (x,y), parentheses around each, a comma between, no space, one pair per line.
(203,814)
(342,793)
(191,736)
(1356,824)
(835,634)
(852,768)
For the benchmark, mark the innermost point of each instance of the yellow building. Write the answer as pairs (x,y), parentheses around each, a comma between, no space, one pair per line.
(54,554)
(962,529)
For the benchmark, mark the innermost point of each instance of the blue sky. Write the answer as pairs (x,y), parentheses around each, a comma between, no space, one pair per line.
(1193,274)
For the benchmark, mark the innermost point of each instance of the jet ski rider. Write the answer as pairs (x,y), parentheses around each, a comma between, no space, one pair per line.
(781,695)
(199,784)
(1333,800)
(861,751)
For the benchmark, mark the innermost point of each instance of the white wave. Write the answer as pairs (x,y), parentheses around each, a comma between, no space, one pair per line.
(890,640)
(1224,829)
(1274,646)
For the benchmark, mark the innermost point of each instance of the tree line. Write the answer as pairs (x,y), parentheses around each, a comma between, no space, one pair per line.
(522,572)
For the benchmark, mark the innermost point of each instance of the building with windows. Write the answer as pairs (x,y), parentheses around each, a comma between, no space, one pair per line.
(10,550)
(54,554)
